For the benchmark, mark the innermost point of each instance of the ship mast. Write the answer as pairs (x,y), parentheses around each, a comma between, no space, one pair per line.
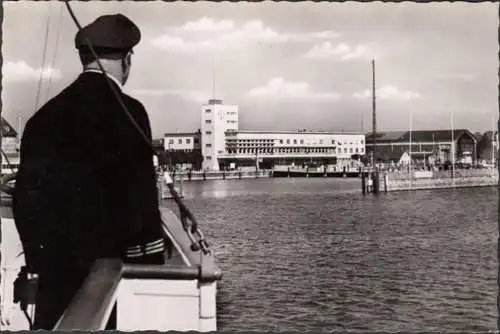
(374,116)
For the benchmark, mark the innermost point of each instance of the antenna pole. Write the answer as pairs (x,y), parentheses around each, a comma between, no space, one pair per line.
(213,83)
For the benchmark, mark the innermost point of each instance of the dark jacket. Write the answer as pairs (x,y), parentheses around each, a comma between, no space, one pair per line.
(86,186)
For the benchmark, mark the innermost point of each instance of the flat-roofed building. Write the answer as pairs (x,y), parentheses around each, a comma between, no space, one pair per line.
(271,148)
(184,149)
(216,119)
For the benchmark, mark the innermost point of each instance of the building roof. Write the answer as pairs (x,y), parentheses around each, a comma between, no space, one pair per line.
(182,134)
(297,132)
(7,129)
(419,135)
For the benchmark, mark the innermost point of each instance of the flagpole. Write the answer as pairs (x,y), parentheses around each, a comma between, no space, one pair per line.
(453,147)
(409,148)
(493,137)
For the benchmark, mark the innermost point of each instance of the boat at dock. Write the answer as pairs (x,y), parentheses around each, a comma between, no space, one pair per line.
(179,295)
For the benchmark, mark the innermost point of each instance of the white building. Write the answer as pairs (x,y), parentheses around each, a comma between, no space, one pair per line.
(216,120)
(185,141)
(268,149)
(10,146)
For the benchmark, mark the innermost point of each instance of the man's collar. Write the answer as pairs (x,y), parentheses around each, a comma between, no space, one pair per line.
(108,74)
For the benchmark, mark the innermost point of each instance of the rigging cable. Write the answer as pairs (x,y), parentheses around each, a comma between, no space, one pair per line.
(39,88)
(56,48)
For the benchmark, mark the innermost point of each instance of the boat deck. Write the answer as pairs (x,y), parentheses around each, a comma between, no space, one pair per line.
(181,295)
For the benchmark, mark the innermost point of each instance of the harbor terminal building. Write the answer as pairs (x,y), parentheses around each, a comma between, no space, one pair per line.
(219,144)
(223,146)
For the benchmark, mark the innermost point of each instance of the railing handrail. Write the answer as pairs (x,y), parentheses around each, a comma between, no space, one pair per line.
(91,306)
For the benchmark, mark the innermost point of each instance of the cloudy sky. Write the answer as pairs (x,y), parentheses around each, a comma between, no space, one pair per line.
(288,66)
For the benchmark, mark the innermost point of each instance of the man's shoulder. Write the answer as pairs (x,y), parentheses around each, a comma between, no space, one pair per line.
(133,101)
(134,105)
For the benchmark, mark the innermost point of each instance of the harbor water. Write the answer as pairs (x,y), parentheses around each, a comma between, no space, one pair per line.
(314,254)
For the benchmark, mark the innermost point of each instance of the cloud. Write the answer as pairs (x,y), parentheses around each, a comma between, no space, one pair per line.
(21,71)
(207,24)
(225,34)
(340,52)
(196,95)
(389,93)
(466,77)
(279,88)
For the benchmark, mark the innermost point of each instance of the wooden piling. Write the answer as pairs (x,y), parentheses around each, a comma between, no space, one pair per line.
(386,181)
(363,183)
(180,185)
(376,182)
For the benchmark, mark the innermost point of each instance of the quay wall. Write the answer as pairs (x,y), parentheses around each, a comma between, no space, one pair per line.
(220,175)
(439,180)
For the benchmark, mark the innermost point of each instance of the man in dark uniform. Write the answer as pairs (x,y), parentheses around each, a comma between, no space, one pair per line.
(86,185)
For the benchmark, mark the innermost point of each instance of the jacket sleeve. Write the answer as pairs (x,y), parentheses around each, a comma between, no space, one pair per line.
(149,246)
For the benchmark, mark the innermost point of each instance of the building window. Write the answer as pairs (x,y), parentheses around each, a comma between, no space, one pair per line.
(196,140)
(321,141)
(295,141)
(208,121)
(350,150)
(302,141)
(357,150)
(345,149)
(362,150)
(208,132)
(188,141)
(281,141)
(333,141)
(208,145)
(362,142)
(288,141)
(208,110)
(170,141)
(180,141)
(208,157)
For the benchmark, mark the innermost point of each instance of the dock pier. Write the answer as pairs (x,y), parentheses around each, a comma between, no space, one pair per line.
(388,181)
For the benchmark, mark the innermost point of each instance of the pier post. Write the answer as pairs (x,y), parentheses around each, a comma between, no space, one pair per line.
(288,171)
(159,185)
(189,174)
(307,171)
(223,175)
(180,185)
(204,176)
(386,181)
(239,174)
(369,187)
(363,183)
(376,182)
